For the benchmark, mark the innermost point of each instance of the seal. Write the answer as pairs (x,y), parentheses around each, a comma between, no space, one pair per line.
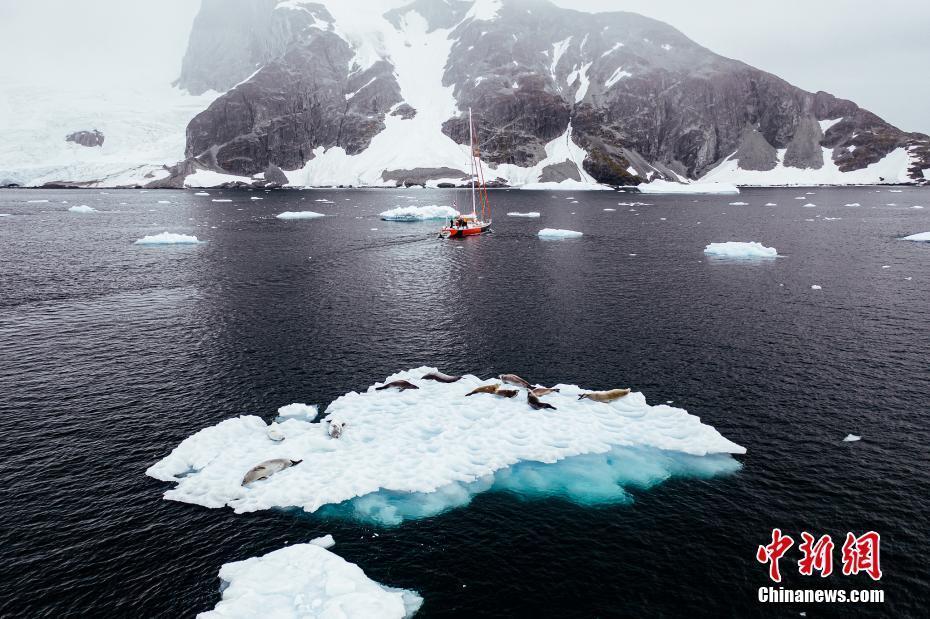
(402,385)
(604,396)
(516,381)
(538,391)
(267,469)
(484,389)
(536,403)
(442,378)
(506,393)
(336,428)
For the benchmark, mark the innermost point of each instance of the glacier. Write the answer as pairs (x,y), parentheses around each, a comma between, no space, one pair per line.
(307,580)
(416,453)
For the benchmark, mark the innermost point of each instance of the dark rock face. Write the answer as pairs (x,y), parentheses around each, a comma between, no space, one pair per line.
(642,99)
(86,138)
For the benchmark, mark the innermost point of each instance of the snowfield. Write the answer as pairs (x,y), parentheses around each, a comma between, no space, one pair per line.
(736,249)
(415,453)
(168,238)
(419,213)
(307,580)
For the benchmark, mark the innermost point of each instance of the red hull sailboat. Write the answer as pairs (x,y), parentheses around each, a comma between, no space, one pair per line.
(472,223)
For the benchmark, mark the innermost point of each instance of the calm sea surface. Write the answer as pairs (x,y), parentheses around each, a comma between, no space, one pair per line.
(112,353)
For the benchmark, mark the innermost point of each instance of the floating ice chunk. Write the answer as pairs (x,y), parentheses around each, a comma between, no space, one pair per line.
(419,213)
(326,541)
(307,580)
(610,209)
(816,287)
(770,204)
(255,198)
(738,249)
(516,214)
(298,410)
(565,185)
(201,193)
(168,238)
(853,204)
(809,205)
(5,215)
(299,215)
(852,438)
(660,186)
(36,201)
(323,200)
(894,191)
(419,452)
(556,233)
(920,236)
(164,201)
(916,206)
(739,203)
(82,209)
(221,200)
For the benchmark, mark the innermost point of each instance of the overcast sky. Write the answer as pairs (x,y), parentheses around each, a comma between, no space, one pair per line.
(875,53)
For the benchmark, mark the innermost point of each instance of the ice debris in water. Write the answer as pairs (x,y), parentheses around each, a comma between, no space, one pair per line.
(298,410)
(852,438)
(555,233)
(299,215)
(738,249)
(82,209)
(920,236)
(419,213)
(307,580)
(516,214)
(816,287)
(168,238)
(419,452)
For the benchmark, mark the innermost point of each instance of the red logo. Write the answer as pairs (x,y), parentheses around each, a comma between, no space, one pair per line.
(817,556)
(773,552)
(860,554)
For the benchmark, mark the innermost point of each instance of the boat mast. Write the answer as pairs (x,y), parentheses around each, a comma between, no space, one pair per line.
(474,172)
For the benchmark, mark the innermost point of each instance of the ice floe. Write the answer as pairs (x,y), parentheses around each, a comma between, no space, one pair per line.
(36,201)
(201,193)
(298,410)
(418,452)
(307,580)
(920,236)
(516,214)
(852,438)
(853,204)
(220,200)
(299,215)
(738,249)
(556,233)
(83,208)
(660,186)
(168,238)
(816,287)
(565,185)
(739,203)
(419,213)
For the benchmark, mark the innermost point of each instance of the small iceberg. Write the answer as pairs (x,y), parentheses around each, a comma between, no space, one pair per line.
(853,204)
(920,236)
(660,186)
(307,580)
(36,201)
(737,249)
(556,233)
(852,438)
(419,213)
(816,287)
(82,209)
(220,200)
(298,410)
(168,238)
(739,203)
(299,215)
(809,205)
(201,193)
(770,204)
(516,214)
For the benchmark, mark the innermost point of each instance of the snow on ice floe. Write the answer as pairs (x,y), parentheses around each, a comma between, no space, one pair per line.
(84,209)
(298,410)
(168,238)
(556,233)
(852,438)
(307,580)
(299,215)
(660,186)
(419,452)
(737,249)
(920,236)
(419,213)
(532,214)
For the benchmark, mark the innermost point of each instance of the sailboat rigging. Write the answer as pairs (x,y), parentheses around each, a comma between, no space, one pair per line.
(472,223)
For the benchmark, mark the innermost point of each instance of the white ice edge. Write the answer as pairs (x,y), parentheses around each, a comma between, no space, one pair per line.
(432,441)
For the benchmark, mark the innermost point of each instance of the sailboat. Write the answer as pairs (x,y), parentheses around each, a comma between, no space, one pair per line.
(472,223)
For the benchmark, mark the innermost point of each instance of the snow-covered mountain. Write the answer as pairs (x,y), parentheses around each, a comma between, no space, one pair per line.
(322,93)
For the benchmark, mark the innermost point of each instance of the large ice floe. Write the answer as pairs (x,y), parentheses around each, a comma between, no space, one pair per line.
(168,238)
(738,249)
(419,452)
(307,580)
(920,236)
(419,213)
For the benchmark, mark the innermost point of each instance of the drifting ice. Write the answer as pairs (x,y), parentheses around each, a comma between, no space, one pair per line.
(167,238)
(530,214)
(852,438)
(660,186)
(735,249)
(921,236)
(299,215)
(82,209)
(416,453)
(555,233)
(306,580)
(419,213)
(307,412)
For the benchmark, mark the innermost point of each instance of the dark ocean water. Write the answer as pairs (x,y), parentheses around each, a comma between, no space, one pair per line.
(111,354)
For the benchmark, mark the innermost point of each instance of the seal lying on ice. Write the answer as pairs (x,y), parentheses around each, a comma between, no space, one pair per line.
(604,396)
(397,384)
(538,391)
(484,389)
(442,378)
(267,469)
(516,381)
(336,428)
(536,403)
